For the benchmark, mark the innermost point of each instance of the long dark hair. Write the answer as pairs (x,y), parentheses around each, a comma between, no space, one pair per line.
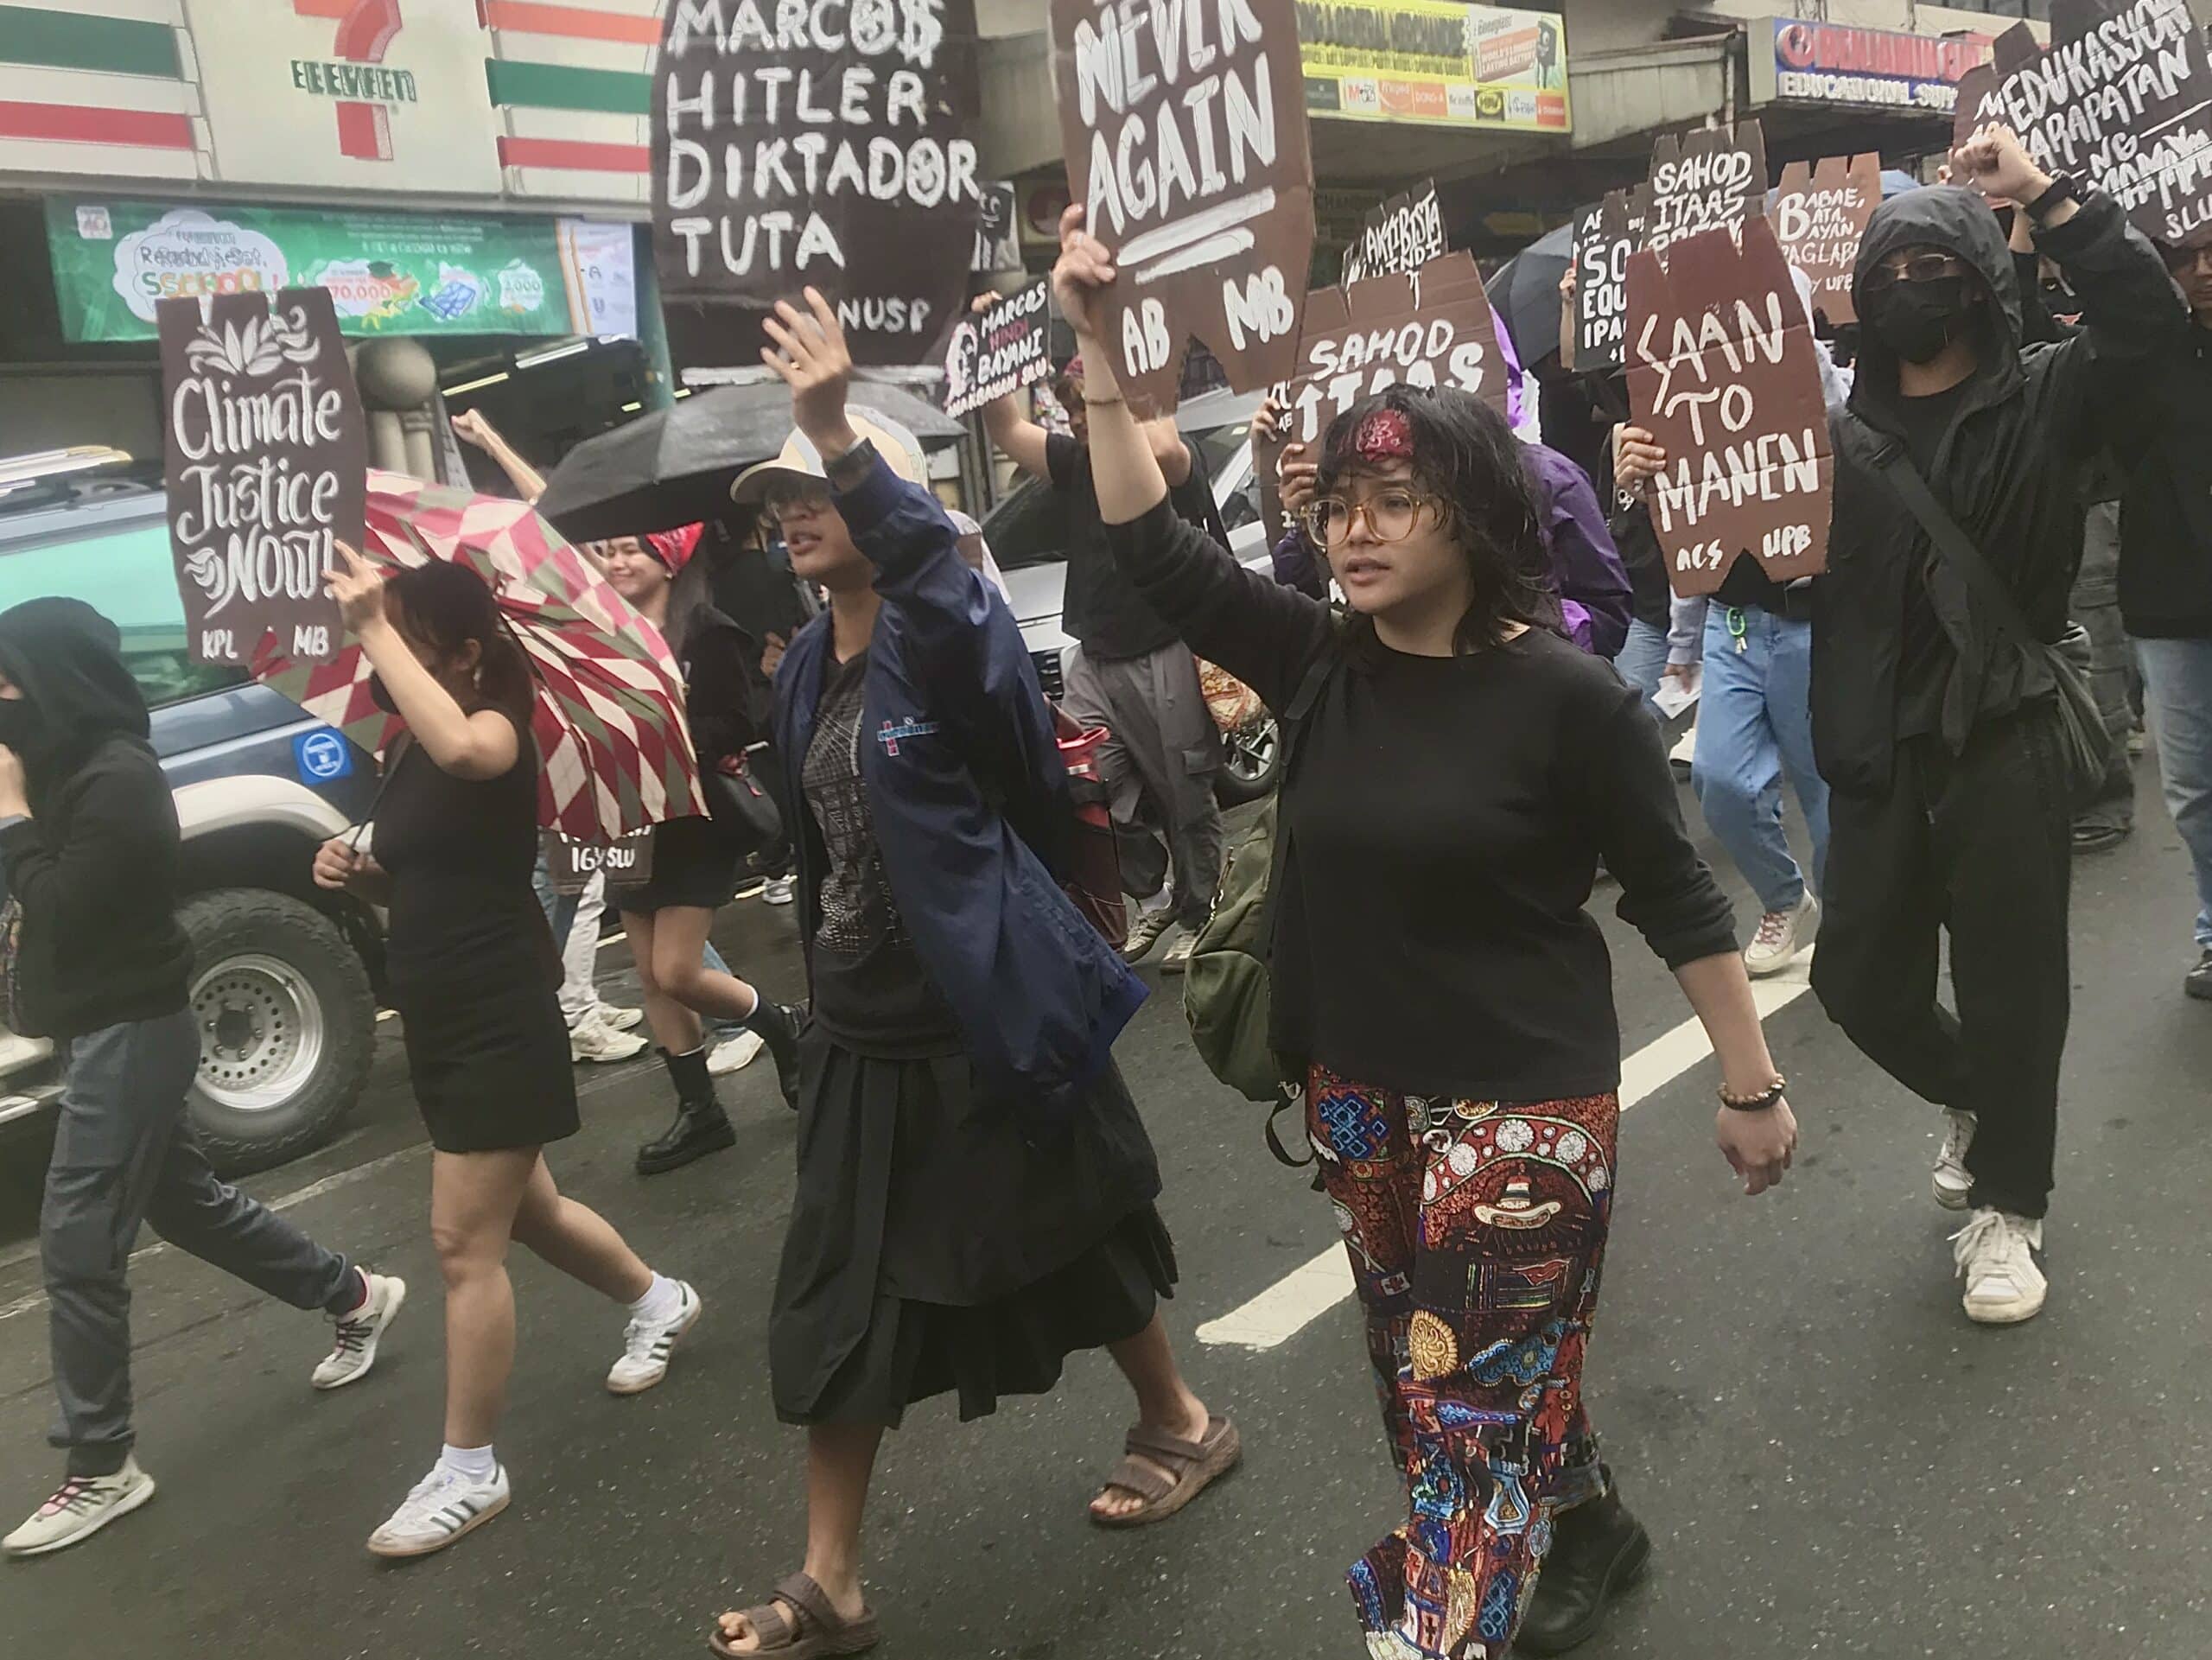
(1466,456)
(689,593)
(447,606)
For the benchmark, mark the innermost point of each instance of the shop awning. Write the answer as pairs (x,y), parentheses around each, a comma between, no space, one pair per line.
(1622,97)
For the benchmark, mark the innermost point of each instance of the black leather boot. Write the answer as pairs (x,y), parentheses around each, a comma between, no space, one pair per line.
(701,1127)
(778,1025)
(1597,1551)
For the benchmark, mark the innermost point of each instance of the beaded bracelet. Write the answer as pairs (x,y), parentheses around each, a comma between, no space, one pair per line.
(1760,1102)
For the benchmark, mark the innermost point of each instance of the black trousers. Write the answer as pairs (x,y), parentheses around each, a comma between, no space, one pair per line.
(1976,844)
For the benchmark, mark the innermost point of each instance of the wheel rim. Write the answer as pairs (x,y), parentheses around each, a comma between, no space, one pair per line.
(1252,751)
(260,1032)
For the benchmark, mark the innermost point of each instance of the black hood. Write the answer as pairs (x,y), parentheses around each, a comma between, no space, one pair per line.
(68,660)
(1957,221)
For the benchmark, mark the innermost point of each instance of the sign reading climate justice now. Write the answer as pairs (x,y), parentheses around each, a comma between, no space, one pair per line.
(267,458)
(999,351)
(819,145)
(2121,100)
(1722,372)
(1184,127)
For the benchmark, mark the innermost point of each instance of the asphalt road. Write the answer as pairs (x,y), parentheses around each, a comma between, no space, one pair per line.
(1834,1462)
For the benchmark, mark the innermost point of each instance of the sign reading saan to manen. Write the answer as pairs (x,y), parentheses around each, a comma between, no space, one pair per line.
(267,460)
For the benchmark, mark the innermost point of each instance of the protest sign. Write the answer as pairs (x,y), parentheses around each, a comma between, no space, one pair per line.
(1185,130)
(572,864)
(1605,234)
(998,242)
(823,145)
(1722,372)
(267,469)
(1704,179)
(1000,351)
(2121,101)
(1403,234)
(1820,214)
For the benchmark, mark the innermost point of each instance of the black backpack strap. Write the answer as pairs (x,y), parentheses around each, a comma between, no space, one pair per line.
(1957,550)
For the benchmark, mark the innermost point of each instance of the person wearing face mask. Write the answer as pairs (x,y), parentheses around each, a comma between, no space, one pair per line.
(88,836)
(1950,809)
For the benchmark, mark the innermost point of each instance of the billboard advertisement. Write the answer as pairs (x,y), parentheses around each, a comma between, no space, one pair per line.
(1435,61)
(1797,62)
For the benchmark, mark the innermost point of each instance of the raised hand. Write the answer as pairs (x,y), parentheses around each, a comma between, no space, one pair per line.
(358,586)
(1083,269)
(1995,162)
(811,354)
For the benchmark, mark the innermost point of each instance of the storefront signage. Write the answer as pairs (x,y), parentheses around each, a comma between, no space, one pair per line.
(1793,61)
(1185,134)
(823,146)
(1403,234)
(267,455)
(385,273)
(2121,101)
(999,351)
(1722,371)
(1820,212)
(1435,60)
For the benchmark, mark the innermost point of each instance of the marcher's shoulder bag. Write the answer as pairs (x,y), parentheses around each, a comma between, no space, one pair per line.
(1226,995)
(741,809)
(2087,746)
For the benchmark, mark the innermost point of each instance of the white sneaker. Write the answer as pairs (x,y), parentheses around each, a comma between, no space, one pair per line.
(647,1345)
(1782,936)
(80,1507)
(443,1507)
(1952,1183)
(591,1038)
(1995,1253)
(359,1332)
(621,1019)
(734,1055)
(1146,931)
(778,890)
(1176,958)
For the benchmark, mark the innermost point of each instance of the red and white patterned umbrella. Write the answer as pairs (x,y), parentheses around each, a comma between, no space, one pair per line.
(609,721)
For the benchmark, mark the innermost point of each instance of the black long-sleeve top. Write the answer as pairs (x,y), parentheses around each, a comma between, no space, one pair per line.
(1442,820)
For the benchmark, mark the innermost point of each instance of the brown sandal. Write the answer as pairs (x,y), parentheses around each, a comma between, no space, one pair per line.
(813,1628)
(1193,1466)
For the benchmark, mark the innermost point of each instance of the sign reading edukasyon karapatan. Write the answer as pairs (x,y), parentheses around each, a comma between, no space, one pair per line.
(267,469)
(1820,212)
(822,145)
(1184,131)
(2121,101)
(999,351)
(1722,372)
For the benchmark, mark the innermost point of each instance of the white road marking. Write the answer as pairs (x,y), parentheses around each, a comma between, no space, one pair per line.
(1309,1291)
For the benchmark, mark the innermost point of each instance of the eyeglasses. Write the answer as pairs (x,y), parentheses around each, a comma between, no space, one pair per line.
(1390,516)
(2185,259)
(1915,268)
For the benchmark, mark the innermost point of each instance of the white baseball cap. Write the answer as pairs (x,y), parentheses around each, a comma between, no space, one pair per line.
(901,449)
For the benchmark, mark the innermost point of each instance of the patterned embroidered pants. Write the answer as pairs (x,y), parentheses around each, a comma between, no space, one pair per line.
(1476,1231)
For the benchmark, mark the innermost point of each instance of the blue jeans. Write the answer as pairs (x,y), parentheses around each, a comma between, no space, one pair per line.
(1754,724)
(1641,659)
(2177,699)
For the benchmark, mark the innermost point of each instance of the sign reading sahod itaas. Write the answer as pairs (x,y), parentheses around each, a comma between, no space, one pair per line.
(1722,371)
(267,469)
(1002,351)
(1704,179)
(1183,126)
(1403,234)
(1820,215)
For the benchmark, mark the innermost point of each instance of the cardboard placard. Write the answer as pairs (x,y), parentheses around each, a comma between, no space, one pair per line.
(267,469)
(824,145)
(1185,130)
(2121,100)
(1820,215)
(998,241)
(1002,351)
(1403,234)
(1705,179)
(1722,372)
(572,864)
(1605,234)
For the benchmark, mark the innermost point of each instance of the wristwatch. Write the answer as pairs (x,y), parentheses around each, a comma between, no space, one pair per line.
(2062,188)
(848,467)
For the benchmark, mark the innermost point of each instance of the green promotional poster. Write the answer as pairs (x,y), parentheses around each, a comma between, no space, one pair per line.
(386,273)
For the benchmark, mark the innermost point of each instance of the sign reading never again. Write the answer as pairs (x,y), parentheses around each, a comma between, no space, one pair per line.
(267,459)
(1820,216)
(1722,372)
(822,145)
(1184,127)
(999,351)
(2121,100)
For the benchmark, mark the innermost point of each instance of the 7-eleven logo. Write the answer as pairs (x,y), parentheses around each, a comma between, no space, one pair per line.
(363,92)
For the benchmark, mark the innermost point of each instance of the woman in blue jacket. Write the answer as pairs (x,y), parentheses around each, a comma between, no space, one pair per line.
(974,1193)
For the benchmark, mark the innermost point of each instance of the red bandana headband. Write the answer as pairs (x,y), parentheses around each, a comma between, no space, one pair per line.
(675,548)
(1385,436)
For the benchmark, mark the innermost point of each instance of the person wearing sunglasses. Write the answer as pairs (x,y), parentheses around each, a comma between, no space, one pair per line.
(1453,770)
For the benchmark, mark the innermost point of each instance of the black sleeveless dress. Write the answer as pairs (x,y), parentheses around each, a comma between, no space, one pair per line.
(473,970)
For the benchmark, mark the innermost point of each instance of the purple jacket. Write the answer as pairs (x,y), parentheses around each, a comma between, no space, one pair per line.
(1586,569)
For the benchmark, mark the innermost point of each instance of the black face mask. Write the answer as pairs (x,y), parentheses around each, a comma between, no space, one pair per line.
(1917,320)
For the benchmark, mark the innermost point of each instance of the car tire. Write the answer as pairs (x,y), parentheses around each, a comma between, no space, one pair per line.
(1251,763)
(287,1023)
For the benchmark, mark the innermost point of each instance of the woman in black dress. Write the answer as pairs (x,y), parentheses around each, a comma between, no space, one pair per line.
(474,976)
(695,861)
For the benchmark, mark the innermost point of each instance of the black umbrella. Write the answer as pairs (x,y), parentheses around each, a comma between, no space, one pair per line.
(674,466)
(1525,292)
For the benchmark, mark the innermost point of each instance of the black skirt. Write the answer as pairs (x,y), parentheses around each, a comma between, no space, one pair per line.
(490,1064)
(941,1242)
(695,866)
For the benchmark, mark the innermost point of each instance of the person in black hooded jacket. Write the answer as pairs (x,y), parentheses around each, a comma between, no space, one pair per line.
(1950,807)
(89,843)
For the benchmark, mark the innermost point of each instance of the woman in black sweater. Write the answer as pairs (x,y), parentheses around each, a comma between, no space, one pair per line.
(1453,773)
